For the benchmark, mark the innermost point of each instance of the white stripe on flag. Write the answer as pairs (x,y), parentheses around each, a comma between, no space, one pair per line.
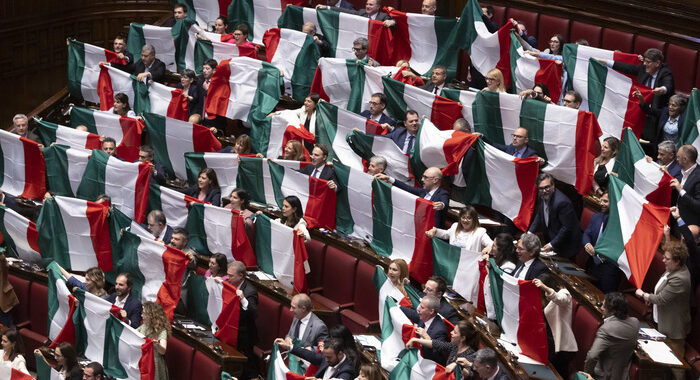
(265,14)
(419,100)
(61,316)
(485,50)
(290,44)
(178,138)
(278,126)
(243,82)
(150,260)
(226,167)
(503,182)
(78,233)
(71,137)
(91,72)
(174,207)
(162,40)
(207,11)
(335,81)
(295,183)
(215,302)
(346,122)
(120,184)
(424,41)
(14,166)
(403,227)
(350,27)
(511,309)
(559,130)
(612,112)
(121,82)
(97,311)
(373,82)
(16,226)
(580,80)
(630,208)
(282,252)
(77,162)
(217,226)
(109,124)
(360,200)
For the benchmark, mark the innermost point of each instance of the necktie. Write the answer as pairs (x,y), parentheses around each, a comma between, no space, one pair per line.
(410,143)
(435,90)
(517,271)
(545,208)
(297,330)
(315,172)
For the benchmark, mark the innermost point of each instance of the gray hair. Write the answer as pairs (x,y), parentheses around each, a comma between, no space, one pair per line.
(238,266)
(158,216)
(149,47)
(531,242)
(20,116)
(682,100)
(462,125)
(667,146)
(431,302)
(487,356)
(362,42)
(303,301)
(310,24)
(379,160)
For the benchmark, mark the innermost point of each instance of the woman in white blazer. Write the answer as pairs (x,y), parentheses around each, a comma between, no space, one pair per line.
(307,112)
(558,313)
(466,233)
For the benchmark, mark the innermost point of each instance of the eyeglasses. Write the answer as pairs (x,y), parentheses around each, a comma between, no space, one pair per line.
(375,103)
(544,188)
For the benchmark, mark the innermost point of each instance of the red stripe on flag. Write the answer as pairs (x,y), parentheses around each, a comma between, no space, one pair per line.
(99,233)
(147,363)
(587,134)
(317,84)
(116,311)
(408,332)
(526,170)
(33,236)
(550,75)
(128,148)
(402,37)
(445,112)
(178,107)
(532,333)
(441,375)
(219,90)
(271,40)
(67,333)
(174,265)
(421,267)
(662,195)
(320,208)
(241,249)
(284,3)
(34,170)
(294,376)
(104,89)
(223,8)
(634,116)
(632,59)
(112,57)
(203,140)
(455,148)
(481,300)
(374,128)
(301,258)
(381,46)
(141,191)
(93,142)
(504,44)
(299,133)
(230,313)
(641,246)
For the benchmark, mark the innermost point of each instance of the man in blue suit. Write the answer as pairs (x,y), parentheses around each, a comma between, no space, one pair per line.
(377,104)
(519,146)
(405,137)
(606,273)
(343,4)
(122,297)
(666,157)
(332,364)
(157,225)
(425,316)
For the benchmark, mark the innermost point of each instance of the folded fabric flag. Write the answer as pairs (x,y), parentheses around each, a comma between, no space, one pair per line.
(442,149)
(296,55)
(22,170)
(173,203)
(160,37)
(281,252)
(126,131)
(279,370)
(61,308)
(258,15)
(218,51)
(402,97)
(396,329)
(204,12)
(460,268)
(44,371)
(386,288)
(214,303)
(224,164)
(367,146)
(294,17)
(65,168)
(690,130)
(270,136)
(19,233)
(527,71)
(84,68)
(53,133)
(413,366)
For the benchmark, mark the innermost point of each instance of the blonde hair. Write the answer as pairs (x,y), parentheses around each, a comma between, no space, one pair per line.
(298,151)
(97,276)
(499,77)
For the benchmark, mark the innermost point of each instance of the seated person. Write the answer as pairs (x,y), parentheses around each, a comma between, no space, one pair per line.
(240,200)
(149,66)
(119,47)
(486,365)
(436,286)
(361,48)
(460,350)
(318,167)
(539,92)
(372,10)
(240,36)
(406,75)
(377,165)
(207,188)
(321,41)
(293,216)
(377,105)
(204,80)
(495,81)
(529,266)
(519,147)
(217,266)
(293,151)
(158,175)
(333,363)
(12,349)
(688,188)
(20,126)
(437,80)
(109,146)
(572,99)
(179,13)
(666,157)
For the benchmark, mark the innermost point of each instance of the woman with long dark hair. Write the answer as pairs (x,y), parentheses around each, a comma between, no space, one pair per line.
(207,188)
(12,348)
(293,216)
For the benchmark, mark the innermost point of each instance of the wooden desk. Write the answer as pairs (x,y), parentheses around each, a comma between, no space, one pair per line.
(230,359)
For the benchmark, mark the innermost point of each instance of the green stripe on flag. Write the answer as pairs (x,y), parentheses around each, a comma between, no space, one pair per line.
(76,67)
(195,226)
(260,131)
(450,93)
(47,131)
(263,241)
(396,105)
(357,76)
(79,317)
(181,35)
(532,116)
(291,18)
(267,92)
(305,69)
(445,54)
(382,217)
(569,53)
(242,12)
(83,116)
(54,274)
(277,175)
(194,163)
(343,218)
(118,221)
(387,325)
(690,130)
(129,262)
(496,283)
(487,116)
(154,202)
(93,183)
(203,50)
(415,159)
(250,178)
(136,40)
(111,361)
(52,235)
(630,152)
(478,192)
(404,368)
(445,259)
(197,299)
(329,21)
(597,78)
(156,127)
(142,102)
(326,125)
(56,161)
(611,243)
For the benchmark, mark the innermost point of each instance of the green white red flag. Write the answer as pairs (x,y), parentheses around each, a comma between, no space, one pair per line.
(84,68)
(23,170)
(259,15)
(61,308)
(19,234)
(690,130)
(126,131)
(296,54)
(527,71)
(281,252)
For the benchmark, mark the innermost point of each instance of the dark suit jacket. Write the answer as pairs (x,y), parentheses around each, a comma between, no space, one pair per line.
(564,229)
(159,176)
(381,16)
(448,312)
(510,149)
(214,196)
(327,173)
(345,371)
(430,86)
(247,331)
(344,4)
(196,105)
(129,65)
(157,70)
(440,195)
(168,235)
(132,307)
(315,331)
(612,349)
(398,136)
(383,119)
(689,204)
(437,331)
(536,268)
(590,235)
(693,253)
(674,169)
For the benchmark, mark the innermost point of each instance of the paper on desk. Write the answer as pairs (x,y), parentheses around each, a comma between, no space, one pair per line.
(659,352)
(652,333)
(264,276)
(515,350)
(369,340)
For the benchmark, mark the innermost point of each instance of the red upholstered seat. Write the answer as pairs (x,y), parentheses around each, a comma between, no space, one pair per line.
(20,313)
(316,250)
(585,325)
(697,76)
(617,40)
(526,17)
(683,63)
(178,357)
(267,324)
(589,32)
(364,314)
(286,317)
(32,341)
(586,216)
(205,367)
(338,280)
(642,43)
(39,308)
(549,26)
(499,14)
(656,270)
(634,371)
(410,6)
(692,342)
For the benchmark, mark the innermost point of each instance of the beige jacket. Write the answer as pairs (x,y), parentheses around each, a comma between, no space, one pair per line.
(559,314)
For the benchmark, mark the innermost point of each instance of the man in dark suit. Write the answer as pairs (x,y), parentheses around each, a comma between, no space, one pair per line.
(332,364)
(149,66)
(247,331)
(157,170)
(342,4)
(318,167)
(615,342)
(606,273)
(429,323)
(529,265)
(179,13)
(321,41)
(666,157)
(690,236)
(436,287)
(688,187)
(372,10)
(131,306)
(119,47)
(486,365)
(157,225)
(555,219)
(437,80)
(377,105)
(519,147)
(20,127)
(405,137)
(306,326)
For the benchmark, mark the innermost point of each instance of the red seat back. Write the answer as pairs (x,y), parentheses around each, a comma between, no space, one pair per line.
(549,26)
(642,43)
(268,321)
(586,216)
(682,62)
(410,6)
(584,326)
(694,336)
(39,309)
(365,293)
(206,367)
(179,358)
(591,33)
(526,17)
(285,322)
(617,40)
(499,14)
(317,251)
(339,275)
(20,313)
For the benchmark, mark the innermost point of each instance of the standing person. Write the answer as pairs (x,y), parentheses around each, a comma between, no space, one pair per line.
(466,232)
(306,326)
(431,190)
(119,47)
(688,187)
(495,81)
(12,349)
(604,164)
(94,281)
(293,216)
(67,360)
(157,326)
(318,167)
(240,200)
(121,106)
(194,93)
(529,265)
(307,112)
(430,325)
(605,272)
(131,306)
(149,67)
(217,266)
(397,273)
(240,36)
(503,252)
(8,298)
(247,331)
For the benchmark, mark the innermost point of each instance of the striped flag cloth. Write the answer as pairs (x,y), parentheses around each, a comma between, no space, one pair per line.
(396,330)
(576,62)
(402,97)
(19,234)
(413,366)
(493,114)
(53,133)
(23,170)
(243,88)
(162,39)
(270,136)
(65,168)
(269,182)
(460,268)
(48,373)
(635,228)
(503,183)
(75,234)
(423,40)
(125,182)
(690,130)
(367,146)
(172,138)
(84,68)
(91,324)
(646,178)
(281,252)
(296,55)
(442,149)
(218,51)
(153,97)
(258,15)
(278,370)
(156,269)
(527,71)
(294,17)
(354,207)
(610,99)
(126,131)
(61,308)
(224,164)
(173,203)
(347,83)
(486,50)
(219,230)
(214,303)
(385,288)
(44,371)
(204,12)
(518,307)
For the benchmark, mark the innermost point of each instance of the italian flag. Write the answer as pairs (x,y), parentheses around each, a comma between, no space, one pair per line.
(396,329)
(576,62)
(634,230)
(347,83)
(172,138)
(215,303)
(565,137)
(258,15)
(219,230)
(646,178)
(486,50)
(296,55)
(125,182)
(243,88)
(461,269)
(173,203)
(219,51)
(124,130)
(518,306)
(442,149)
(61,308)
(281,253)
(224,164)
(160,37)
(269,182)
(44,371)
(91,328)
(402,97)
(413,366)
(65,168)
(84,68)
(367,146)
(19,233)
(59,134)
(270,136)
(204,12)
(278,370)
(334,124)
(610,99)
(294,17)
(503,183)
(386,289)
(354,207)
(75,234)
(690,130)
(153,97)
(22,172)
(527,70)
(423,40)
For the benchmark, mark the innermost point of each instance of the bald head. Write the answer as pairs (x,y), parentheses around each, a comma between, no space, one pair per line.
(695,230)
(432,178)
(429,7)
(520,138)
(309,28)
